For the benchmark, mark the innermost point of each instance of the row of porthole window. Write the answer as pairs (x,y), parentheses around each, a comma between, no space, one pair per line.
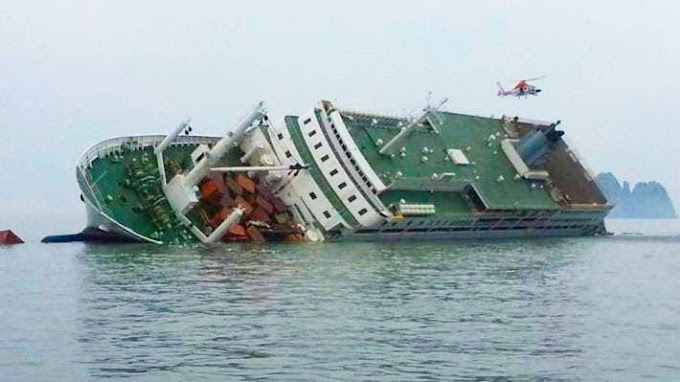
(333,172)
(324,158)
(468,228)
(280,136)
(342,185)
(354,163)
(287,152)
(409,223)
(352,198)
(327,214)
(312,195)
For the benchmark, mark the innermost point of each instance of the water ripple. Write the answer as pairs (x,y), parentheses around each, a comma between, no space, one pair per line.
(549,310)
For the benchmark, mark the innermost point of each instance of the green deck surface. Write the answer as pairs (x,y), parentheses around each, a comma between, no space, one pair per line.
(110,177)
(467,133)
(120,200)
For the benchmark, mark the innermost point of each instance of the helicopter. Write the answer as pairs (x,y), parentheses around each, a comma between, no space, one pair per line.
(522,89)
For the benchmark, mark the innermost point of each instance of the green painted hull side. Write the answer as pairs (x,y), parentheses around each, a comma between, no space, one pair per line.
(124,186)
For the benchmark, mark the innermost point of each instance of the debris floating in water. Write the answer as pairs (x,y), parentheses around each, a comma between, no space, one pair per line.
(88,235)
(8,237)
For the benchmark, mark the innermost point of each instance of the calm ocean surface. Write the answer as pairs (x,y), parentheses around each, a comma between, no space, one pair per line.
(589,309)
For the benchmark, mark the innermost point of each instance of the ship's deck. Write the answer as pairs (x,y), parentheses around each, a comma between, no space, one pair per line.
(108,178)
(455,131)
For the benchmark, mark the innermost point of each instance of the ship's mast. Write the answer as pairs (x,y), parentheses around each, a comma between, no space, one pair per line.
(224,145)
(182,188)
(405,131)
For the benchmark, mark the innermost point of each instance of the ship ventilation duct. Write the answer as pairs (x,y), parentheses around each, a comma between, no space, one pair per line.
(534,146)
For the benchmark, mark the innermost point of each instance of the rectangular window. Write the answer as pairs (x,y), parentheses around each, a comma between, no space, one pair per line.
(324,158)
(352,198)
(342,185)
(312,133)
(363,211)
(306,121)
(288,154)
(327,214)
(312,195)
(317,146)
(280,135)
(333,172)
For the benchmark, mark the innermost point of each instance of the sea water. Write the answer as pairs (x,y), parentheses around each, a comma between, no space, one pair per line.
(589,309)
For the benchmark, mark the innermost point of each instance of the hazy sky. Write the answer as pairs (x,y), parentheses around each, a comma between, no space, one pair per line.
(75,73)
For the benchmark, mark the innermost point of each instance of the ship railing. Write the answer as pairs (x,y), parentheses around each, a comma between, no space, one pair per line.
(576,156)
(585,206)
(526,121)
(365,114)
(113,145)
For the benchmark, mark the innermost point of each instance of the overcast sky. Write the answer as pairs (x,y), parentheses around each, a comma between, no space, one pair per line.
(75,73)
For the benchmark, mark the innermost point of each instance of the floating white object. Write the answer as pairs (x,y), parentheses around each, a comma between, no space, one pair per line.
(411,209)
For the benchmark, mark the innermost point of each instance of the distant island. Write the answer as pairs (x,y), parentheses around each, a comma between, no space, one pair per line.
(646,200)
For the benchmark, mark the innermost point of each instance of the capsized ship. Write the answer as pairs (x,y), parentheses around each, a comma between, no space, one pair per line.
(332,174)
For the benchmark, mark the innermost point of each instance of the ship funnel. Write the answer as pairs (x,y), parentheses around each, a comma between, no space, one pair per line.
(535,145)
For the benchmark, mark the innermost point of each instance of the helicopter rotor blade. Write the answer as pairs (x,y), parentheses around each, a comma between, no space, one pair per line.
(536,78)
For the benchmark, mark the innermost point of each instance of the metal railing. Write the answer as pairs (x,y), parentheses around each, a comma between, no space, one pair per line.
(142,141)
(576,156)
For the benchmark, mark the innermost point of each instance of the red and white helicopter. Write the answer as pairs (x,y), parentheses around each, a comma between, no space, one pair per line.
(522,89)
